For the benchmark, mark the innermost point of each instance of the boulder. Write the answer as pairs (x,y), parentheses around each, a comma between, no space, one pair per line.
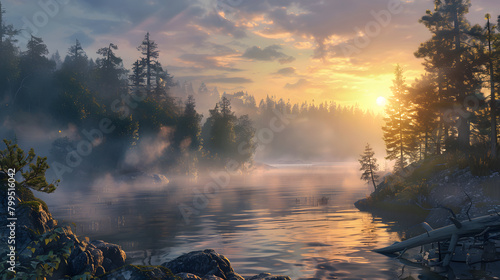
(141,273)
(86,258)
(269,276)
(188,276)
(32,219)
(204,264)
(113,255)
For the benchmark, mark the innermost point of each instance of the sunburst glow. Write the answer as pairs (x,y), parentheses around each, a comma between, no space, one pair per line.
(381,101)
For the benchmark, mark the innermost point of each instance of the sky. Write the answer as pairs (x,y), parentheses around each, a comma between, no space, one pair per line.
(299,50)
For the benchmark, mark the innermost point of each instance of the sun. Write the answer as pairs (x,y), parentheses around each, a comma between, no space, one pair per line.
(381,101)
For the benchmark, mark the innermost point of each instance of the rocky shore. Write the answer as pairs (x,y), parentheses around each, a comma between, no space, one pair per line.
(431,190)
(44,250)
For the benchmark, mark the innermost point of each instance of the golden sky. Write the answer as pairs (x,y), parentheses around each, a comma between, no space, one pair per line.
(322,50)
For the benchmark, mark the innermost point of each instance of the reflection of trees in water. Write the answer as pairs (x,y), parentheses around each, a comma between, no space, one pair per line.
(369,230)
(405,225)
(254,220)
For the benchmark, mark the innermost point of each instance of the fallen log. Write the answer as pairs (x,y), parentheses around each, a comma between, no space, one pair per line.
(467,228)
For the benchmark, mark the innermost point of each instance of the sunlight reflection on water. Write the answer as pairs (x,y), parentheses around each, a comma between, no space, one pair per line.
(298,221)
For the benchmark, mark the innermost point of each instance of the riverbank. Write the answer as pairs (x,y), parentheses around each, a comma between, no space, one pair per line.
(45,250)
(431,188)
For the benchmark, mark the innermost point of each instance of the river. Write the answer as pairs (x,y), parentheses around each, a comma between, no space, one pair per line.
(296,220)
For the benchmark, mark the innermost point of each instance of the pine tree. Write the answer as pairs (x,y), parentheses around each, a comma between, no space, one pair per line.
(9,61)
(398,130)
(76,51)
(6,31)
(149,49)
(189,126)
(56,58)
(244,144)
(76,62)
(369,166)
(493,101)
(34,59)
(138,74)
(35,75)
(109,62)
(163,82)
(31,168)
(109,70)
(424,97)
(452,54)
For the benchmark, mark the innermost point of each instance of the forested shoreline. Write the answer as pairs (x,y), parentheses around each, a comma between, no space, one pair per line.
(100,116)
(451,109)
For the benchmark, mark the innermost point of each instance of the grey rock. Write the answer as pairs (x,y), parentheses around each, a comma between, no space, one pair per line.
(112,252)
(188,276)
(99,271)
(30,219)
(78,261)
(269,276)
(107,264)
(213,277)
(202,263)
(140,273)
(97,256)
(234,276)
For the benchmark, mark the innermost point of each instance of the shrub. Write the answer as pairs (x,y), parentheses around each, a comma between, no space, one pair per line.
(33,172)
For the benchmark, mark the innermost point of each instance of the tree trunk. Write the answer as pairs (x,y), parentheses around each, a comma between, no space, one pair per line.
(469,228)
(426,144)
(464,127)
(492,100)
(402,164)
(371,173)
(1,26)
(440,121)
(148,63)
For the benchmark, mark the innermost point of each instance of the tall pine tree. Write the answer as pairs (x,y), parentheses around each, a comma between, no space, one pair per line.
(9,61)
(149,49)
(493,101)
(398,130)
(424,97)
(451,52)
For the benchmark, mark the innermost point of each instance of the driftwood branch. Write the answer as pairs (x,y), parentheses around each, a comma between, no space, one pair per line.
(451,249)
(469,229)
(453,217)
(470,205)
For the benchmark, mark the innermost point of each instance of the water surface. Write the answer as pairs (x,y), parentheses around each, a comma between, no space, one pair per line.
(295,220)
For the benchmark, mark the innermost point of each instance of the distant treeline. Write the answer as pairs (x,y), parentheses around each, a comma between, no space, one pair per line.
(111,118)
(294,132)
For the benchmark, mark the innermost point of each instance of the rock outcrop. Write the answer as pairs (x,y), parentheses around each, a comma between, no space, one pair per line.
(205,264)
(45,249)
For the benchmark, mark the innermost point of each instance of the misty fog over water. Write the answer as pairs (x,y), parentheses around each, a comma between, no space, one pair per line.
(294,220)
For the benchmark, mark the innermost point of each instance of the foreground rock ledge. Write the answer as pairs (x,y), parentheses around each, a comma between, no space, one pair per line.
(198,265)
(48,251)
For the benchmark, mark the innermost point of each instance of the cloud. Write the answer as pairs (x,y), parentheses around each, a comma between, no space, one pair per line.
(326,23)
(300,84)
(207,62)
(213,79)
(213,21)
(231,80)
(288,71)
(286,60)
(269,53)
